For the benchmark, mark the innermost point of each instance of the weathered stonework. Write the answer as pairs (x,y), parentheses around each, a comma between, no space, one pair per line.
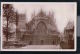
(41,30)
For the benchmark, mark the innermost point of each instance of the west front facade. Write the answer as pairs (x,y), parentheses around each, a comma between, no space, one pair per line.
(41,30)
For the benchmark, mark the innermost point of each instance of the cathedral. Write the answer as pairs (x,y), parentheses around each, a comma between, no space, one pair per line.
(41,30)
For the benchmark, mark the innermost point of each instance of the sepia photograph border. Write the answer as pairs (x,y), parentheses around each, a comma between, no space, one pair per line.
(75,32)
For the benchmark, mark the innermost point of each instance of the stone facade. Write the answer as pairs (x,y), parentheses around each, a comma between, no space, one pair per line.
(41,30)
(21,26)
(68,36)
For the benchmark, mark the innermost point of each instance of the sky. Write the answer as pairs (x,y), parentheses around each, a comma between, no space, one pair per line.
(63,12)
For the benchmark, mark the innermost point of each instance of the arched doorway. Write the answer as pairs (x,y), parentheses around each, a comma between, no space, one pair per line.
(42,42)
(53,42)
(30,43)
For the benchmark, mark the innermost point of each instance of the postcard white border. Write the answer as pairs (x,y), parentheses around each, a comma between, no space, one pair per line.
(75,40)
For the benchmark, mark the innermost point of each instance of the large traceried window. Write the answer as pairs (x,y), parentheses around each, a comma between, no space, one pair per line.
(41,28)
